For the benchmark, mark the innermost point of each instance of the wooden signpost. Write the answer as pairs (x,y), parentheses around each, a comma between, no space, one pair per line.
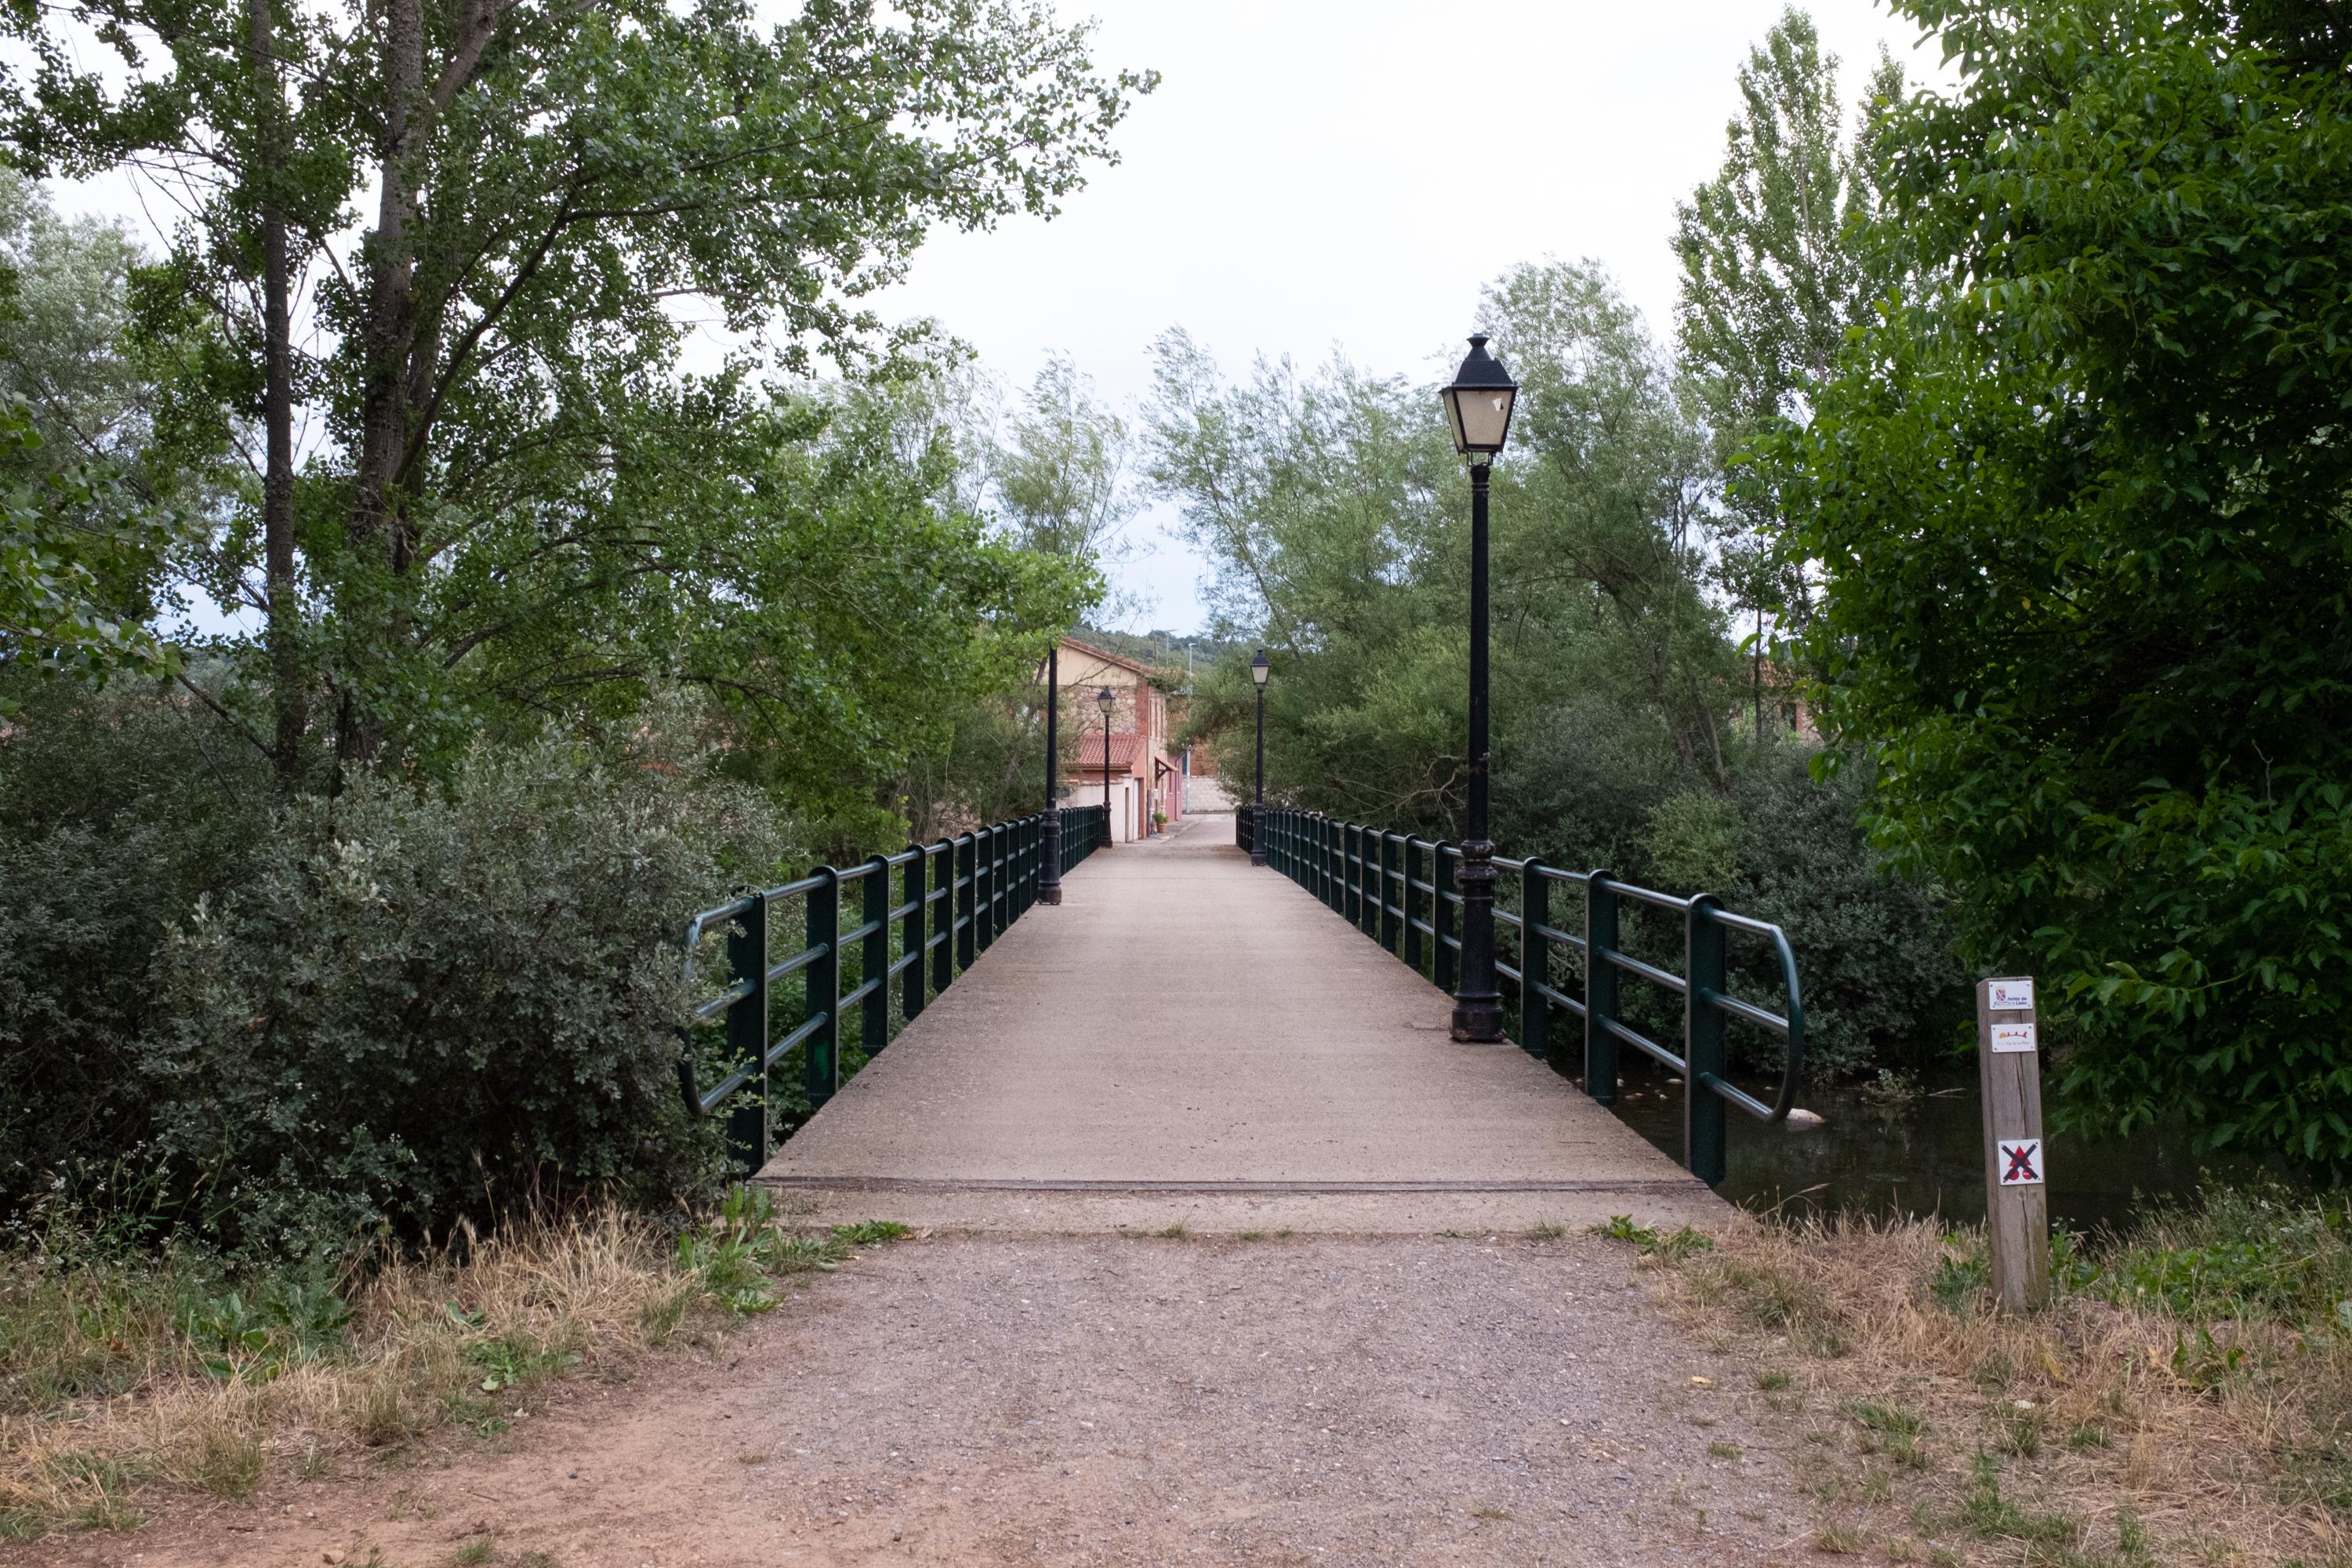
(2017,1198)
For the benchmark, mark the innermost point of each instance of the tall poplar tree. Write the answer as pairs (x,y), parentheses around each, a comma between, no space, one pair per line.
(1778,263)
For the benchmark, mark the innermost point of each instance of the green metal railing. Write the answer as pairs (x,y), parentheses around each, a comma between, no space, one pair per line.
(1399,890)
(954,898)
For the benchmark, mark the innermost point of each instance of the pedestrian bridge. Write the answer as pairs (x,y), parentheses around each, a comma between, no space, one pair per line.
(1184,1041)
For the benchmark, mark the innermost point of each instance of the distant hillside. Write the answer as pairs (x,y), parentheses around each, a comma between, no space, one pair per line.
(1169,650)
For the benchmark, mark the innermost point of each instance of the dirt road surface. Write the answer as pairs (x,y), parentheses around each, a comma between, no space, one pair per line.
(1095,1400)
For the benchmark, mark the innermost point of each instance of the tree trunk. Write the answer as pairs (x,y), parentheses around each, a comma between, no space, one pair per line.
(288,694)
(379,532)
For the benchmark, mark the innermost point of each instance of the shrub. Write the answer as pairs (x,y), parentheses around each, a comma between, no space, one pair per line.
(1595,788)
(425,1006)
(1882,982)
(272,1023)
(118,809)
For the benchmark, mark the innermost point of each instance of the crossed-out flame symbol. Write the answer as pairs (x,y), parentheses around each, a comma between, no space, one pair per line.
(2020,1163)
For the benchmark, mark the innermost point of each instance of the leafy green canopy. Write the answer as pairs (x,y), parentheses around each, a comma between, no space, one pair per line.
(2082,503)
(1337,513)
(502,222)
(1774,271)
(73,551)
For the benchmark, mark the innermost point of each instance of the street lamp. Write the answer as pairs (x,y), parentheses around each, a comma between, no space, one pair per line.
(1478,407)
(1258,671)
(1107,699)
(1049,832)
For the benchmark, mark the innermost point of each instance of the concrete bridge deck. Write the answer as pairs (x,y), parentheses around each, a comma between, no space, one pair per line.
(1189,1041)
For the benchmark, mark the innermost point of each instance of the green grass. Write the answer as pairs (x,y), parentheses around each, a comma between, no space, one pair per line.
(1984,1514)
(1673,1248)
(1891,1419)
(2258,1252)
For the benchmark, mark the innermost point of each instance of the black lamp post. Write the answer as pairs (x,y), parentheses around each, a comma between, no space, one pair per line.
(1258,671)
(1478,407)
(1049,869)
(1107,699)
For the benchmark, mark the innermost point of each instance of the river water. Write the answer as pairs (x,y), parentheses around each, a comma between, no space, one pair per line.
(1918,1157)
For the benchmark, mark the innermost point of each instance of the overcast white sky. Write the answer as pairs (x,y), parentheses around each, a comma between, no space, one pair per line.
(1322,173)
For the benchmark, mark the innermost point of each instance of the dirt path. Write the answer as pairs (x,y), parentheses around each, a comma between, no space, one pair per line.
(1099,1400)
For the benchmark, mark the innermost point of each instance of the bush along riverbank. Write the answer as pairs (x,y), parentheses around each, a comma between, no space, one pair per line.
(125,1375)
(2186,1398)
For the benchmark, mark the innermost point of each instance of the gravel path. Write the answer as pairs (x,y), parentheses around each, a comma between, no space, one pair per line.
(1101,1400)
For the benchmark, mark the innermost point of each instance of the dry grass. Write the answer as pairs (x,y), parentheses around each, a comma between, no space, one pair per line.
(2094,1433)
(113,1377)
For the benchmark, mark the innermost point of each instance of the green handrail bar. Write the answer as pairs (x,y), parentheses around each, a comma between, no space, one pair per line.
(956,897)
(1356,869)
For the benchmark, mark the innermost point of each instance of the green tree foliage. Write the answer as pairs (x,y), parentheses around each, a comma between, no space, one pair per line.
(1335,509)
(2082,498)
(1777,264)
(63,327)
(77,550)
(1053,476)
(79,542)
(496,210)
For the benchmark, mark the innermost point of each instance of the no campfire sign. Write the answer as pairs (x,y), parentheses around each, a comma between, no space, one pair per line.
(2018,1161)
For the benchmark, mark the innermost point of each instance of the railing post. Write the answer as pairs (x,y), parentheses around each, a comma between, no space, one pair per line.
(1351,874)
(1703,981)
(1352,868)
(967,875)
(1333,867)
(823,986)
(1406,895)
(1013,875)
(910,932)
(1368,884)
(943,877)
(747,1034)
(874,959)
(984,888)
(1535,967)
(1599,987)
(1388,875)
(1446,960)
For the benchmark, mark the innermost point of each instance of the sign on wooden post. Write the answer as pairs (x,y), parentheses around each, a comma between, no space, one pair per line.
(2017,1198)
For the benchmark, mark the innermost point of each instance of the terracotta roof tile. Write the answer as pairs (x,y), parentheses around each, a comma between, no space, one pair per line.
(1122,750)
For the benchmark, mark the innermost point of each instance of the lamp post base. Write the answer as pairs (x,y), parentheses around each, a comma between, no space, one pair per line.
(1478,1021)
(1049,856)
(1478,1005)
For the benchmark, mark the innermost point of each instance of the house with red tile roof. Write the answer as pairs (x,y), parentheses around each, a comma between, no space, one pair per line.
(1146,774)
